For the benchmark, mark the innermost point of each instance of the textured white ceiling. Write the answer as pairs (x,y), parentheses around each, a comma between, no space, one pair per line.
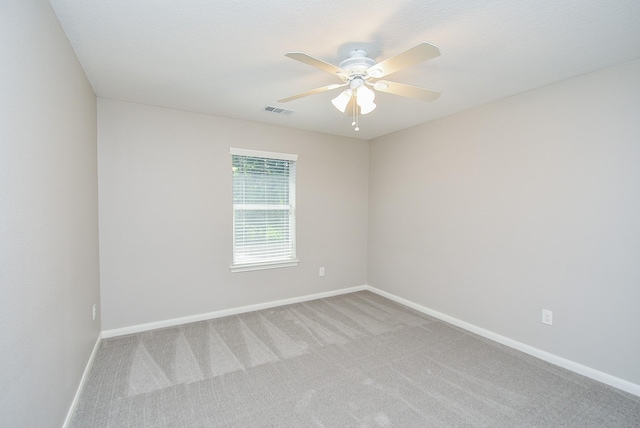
(226,58)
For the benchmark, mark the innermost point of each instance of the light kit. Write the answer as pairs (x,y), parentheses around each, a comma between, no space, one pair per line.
(360,74)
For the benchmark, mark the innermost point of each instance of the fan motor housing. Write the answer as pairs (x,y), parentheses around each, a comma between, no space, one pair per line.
(358,63)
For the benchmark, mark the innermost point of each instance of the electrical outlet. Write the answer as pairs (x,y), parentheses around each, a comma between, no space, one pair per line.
(321,273)
(94,311)
(547,317)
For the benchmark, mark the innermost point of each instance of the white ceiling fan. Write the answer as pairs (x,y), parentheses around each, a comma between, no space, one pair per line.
(359,74)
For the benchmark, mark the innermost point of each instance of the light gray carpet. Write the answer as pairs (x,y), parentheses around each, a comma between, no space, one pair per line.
(357,360)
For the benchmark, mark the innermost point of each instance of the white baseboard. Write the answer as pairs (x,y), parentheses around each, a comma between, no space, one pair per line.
(225,312)
(605,378)
(83,380)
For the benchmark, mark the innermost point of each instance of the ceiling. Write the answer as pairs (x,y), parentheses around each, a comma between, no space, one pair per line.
(226,58)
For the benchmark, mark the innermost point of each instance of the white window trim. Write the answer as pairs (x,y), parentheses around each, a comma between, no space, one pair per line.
(247,267)
(261,154)
(263,266)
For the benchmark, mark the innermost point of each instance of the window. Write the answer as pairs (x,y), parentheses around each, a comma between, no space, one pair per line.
(264,210)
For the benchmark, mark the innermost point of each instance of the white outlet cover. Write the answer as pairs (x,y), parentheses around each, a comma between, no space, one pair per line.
(547,317)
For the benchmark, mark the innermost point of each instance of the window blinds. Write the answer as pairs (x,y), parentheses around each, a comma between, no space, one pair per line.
(263,209)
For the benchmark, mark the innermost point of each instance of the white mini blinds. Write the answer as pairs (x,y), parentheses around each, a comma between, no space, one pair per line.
(264,210)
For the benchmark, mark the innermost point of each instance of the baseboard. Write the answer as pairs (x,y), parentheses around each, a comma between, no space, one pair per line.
(605,378)
(83,380)
(225,312)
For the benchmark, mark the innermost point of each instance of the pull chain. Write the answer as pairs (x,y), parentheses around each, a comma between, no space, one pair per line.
(356,117)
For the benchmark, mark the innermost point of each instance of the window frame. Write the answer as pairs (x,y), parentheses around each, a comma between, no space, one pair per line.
(272,264)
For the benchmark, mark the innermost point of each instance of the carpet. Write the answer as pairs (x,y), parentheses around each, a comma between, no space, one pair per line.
(355,360)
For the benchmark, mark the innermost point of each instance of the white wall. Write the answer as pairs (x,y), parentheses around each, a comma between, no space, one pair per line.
(531,202)
(49,276)
(165,213)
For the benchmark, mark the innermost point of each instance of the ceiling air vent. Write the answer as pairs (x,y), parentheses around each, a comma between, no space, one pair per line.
(278,110)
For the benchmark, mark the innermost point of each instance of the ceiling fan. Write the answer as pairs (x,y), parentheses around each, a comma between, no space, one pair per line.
(359,74)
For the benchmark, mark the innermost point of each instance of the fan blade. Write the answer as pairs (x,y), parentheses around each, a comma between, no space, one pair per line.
(311,92)
(318,63)
(412,56)
(406,90)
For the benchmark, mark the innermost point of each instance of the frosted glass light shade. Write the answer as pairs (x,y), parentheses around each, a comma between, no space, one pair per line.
(340,102)
(365,100)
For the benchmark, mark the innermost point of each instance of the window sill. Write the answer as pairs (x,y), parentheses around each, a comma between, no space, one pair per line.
(263,266)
